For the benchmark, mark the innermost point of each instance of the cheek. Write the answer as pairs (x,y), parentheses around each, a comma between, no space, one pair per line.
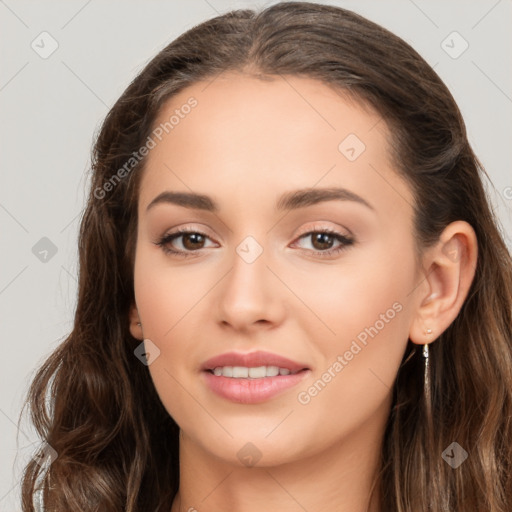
(169,301)
(363,308)
(337,303)
(360,364)
(162,300)
(165,294)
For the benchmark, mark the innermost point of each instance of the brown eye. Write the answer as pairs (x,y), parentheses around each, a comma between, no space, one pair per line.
(193,241)
(322,241)
(183,242)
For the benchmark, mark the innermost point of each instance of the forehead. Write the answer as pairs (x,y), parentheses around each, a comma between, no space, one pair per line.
(248,134)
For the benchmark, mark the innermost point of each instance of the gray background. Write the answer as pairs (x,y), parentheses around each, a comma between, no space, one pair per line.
(51,107)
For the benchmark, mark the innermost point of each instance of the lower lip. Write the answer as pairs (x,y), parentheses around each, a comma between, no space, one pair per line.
(252,391)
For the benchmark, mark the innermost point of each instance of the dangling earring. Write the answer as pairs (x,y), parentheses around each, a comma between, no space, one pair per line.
(426,375)
(426,372)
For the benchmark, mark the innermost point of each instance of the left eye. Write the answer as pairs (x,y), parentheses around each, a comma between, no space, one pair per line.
(322,241)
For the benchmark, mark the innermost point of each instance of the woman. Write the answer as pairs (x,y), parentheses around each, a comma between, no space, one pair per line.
(293,294)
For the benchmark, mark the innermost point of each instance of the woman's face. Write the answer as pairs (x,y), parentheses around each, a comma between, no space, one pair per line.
(258,273)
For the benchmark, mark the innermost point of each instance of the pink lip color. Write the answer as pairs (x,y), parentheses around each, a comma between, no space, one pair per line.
(252,391)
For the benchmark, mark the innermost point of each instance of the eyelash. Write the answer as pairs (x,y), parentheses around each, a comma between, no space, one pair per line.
(345,241)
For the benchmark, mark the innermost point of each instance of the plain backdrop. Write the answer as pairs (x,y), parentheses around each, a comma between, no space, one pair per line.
(51,106)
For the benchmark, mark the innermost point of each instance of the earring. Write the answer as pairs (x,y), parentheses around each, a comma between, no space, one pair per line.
(138,323)
(426,374)
(425,355)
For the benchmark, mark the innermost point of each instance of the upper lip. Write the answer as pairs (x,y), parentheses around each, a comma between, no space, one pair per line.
(252,360)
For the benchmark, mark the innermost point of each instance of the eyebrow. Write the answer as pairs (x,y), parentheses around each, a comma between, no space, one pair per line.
(288,201)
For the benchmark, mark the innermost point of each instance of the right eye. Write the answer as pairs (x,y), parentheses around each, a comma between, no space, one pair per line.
(192,241)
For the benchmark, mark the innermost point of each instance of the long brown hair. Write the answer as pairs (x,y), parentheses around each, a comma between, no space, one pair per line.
(117,446)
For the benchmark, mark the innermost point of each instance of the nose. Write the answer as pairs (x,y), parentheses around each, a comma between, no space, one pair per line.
(250,296)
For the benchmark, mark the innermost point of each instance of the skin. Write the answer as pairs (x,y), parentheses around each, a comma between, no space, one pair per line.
(245,143)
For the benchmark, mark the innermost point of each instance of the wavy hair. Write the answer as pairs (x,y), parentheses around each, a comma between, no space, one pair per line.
(95,404)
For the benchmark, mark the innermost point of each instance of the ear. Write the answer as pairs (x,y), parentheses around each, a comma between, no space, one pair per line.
(135,323)
(448,271)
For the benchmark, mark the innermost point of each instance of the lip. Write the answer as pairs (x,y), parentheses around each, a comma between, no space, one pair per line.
(252,391)
(253,360)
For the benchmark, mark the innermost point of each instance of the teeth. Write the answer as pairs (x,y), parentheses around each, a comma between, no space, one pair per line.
(242,372)
(272,371)
(257,373)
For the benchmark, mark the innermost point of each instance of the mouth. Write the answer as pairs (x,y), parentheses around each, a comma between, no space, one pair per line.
(252,378)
